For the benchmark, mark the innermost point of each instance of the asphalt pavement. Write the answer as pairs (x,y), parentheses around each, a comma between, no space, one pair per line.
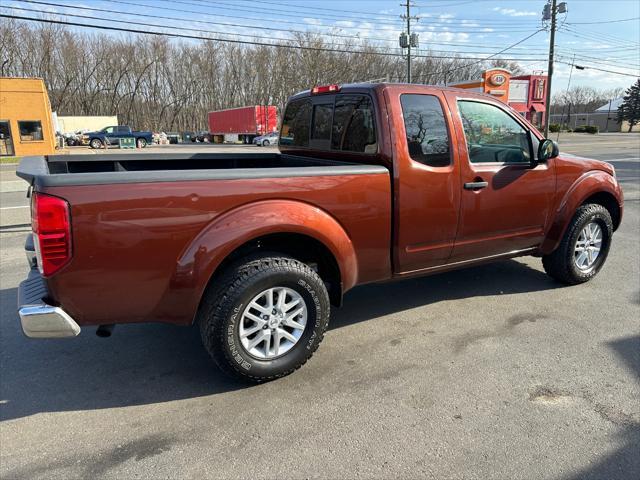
(492,372)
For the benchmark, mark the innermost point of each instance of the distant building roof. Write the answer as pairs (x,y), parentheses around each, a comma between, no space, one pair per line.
(614,105)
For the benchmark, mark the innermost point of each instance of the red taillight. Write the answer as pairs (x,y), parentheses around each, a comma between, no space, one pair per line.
(52,232)
(325,89)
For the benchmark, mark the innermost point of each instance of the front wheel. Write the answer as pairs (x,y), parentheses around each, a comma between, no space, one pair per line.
(95,143)
(584,247)
(141,143)
(264,318)
(265,143)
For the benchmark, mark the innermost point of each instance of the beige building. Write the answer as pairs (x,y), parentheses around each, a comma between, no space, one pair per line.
(69,124)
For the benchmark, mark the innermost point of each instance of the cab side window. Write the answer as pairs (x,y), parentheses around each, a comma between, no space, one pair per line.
(492,135)
(426,130)
(296,124)
(353,127)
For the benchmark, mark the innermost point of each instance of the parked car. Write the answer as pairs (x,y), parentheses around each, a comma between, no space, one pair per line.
(372,183)
(112,135)
(266,140)
(202,137)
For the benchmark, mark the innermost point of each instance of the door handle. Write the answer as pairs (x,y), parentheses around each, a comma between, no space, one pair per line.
(475,185)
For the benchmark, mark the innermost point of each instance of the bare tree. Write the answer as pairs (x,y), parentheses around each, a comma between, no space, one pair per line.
(162,84)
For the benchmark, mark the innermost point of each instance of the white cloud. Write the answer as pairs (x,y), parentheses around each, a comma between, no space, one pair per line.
(459,37)
(345,23)
(512,12)
(312,21)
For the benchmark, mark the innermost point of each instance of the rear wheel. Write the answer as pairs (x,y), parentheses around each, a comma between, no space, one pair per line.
(141,143)
(264,317)
(265,143)
(584,247)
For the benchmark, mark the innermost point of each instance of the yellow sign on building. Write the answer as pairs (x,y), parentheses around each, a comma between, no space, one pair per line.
(25,118)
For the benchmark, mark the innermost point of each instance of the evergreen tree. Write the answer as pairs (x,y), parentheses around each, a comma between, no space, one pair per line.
(629,110)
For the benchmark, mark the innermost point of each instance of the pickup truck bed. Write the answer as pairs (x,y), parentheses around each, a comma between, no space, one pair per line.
(55,170)
(148,231)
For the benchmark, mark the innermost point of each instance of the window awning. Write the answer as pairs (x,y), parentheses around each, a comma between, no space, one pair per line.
(537,107)
(519,107)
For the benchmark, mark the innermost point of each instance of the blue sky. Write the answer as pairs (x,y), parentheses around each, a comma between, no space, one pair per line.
(475,28)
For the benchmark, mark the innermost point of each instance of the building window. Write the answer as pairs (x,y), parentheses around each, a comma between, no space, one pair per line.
(30,131)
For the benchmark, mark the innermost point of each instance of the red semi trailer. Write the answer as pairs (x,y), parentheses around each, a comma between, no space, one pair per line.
(245,122)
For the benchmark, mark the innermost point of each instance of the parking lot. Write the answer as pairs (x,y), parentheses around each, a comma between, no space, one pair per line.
(490,372)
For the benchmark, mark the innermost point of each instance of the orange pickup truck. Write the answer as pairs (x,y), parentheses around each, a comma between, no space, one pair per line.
(373,182)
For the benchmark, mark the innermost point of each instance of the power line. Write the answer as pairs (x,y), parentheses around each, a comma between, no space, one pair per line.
(602,70)
(75,15)
(375,16)
(444,28)
(242,42)
(309,10)
(445,72)
(155,25)
(605,61)
(208,22)
(601,37)
(604,21)
(223,5)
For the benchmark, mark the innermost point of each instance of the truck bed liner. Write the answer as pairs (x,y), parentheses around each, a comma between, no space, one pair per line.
(57,170)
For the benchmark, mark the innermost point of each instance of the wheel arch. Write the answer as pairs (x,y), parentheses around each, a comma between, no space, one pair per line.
(608,201)
(302,247)
(593,187)
(289,227)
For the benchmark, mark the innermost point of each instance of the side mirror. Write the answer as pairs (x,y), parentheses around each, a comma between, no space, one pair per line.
(547,149)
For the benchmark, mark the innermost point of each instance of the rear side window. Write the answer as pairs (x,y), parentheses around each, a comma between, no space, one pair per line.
(353,126)
(296,123)
(426,130)
(322,115)
(344,122)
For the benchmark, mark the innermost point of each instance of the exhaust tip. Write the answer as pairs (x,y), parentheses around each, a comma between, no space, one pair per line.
(104,331)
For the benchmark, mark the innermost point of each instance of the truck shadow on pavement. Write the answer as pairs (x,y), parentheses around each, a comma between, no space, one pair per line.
(502,278)
(154,363)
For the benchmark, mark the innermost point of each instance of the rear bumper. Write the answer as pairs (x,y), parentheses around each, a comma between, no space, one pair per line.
(38,318)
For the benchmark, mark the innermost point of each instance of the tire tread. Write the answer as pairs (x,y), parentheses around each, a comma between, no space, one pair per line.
(220,296)
(557,264)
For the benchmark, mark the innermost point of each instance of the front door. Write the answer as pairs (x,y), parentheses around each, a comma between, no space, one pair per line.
(6,142)
(505,202)
(111,136)
(427,179)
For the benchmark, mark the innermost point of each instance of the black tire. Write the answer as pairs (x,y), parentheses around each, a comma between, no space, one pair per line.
(96,143)
(561,264)
(141,143)
(265,143)
(224,303)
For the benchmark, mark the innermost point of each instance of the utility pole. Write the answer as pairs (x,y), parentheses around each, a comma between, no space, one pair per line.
(551,11)
(552,40)
(408,40)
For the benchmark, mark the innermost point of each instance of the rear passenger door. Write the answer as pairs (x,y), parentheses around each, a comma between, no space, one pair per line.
(427,179)
(505,202)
